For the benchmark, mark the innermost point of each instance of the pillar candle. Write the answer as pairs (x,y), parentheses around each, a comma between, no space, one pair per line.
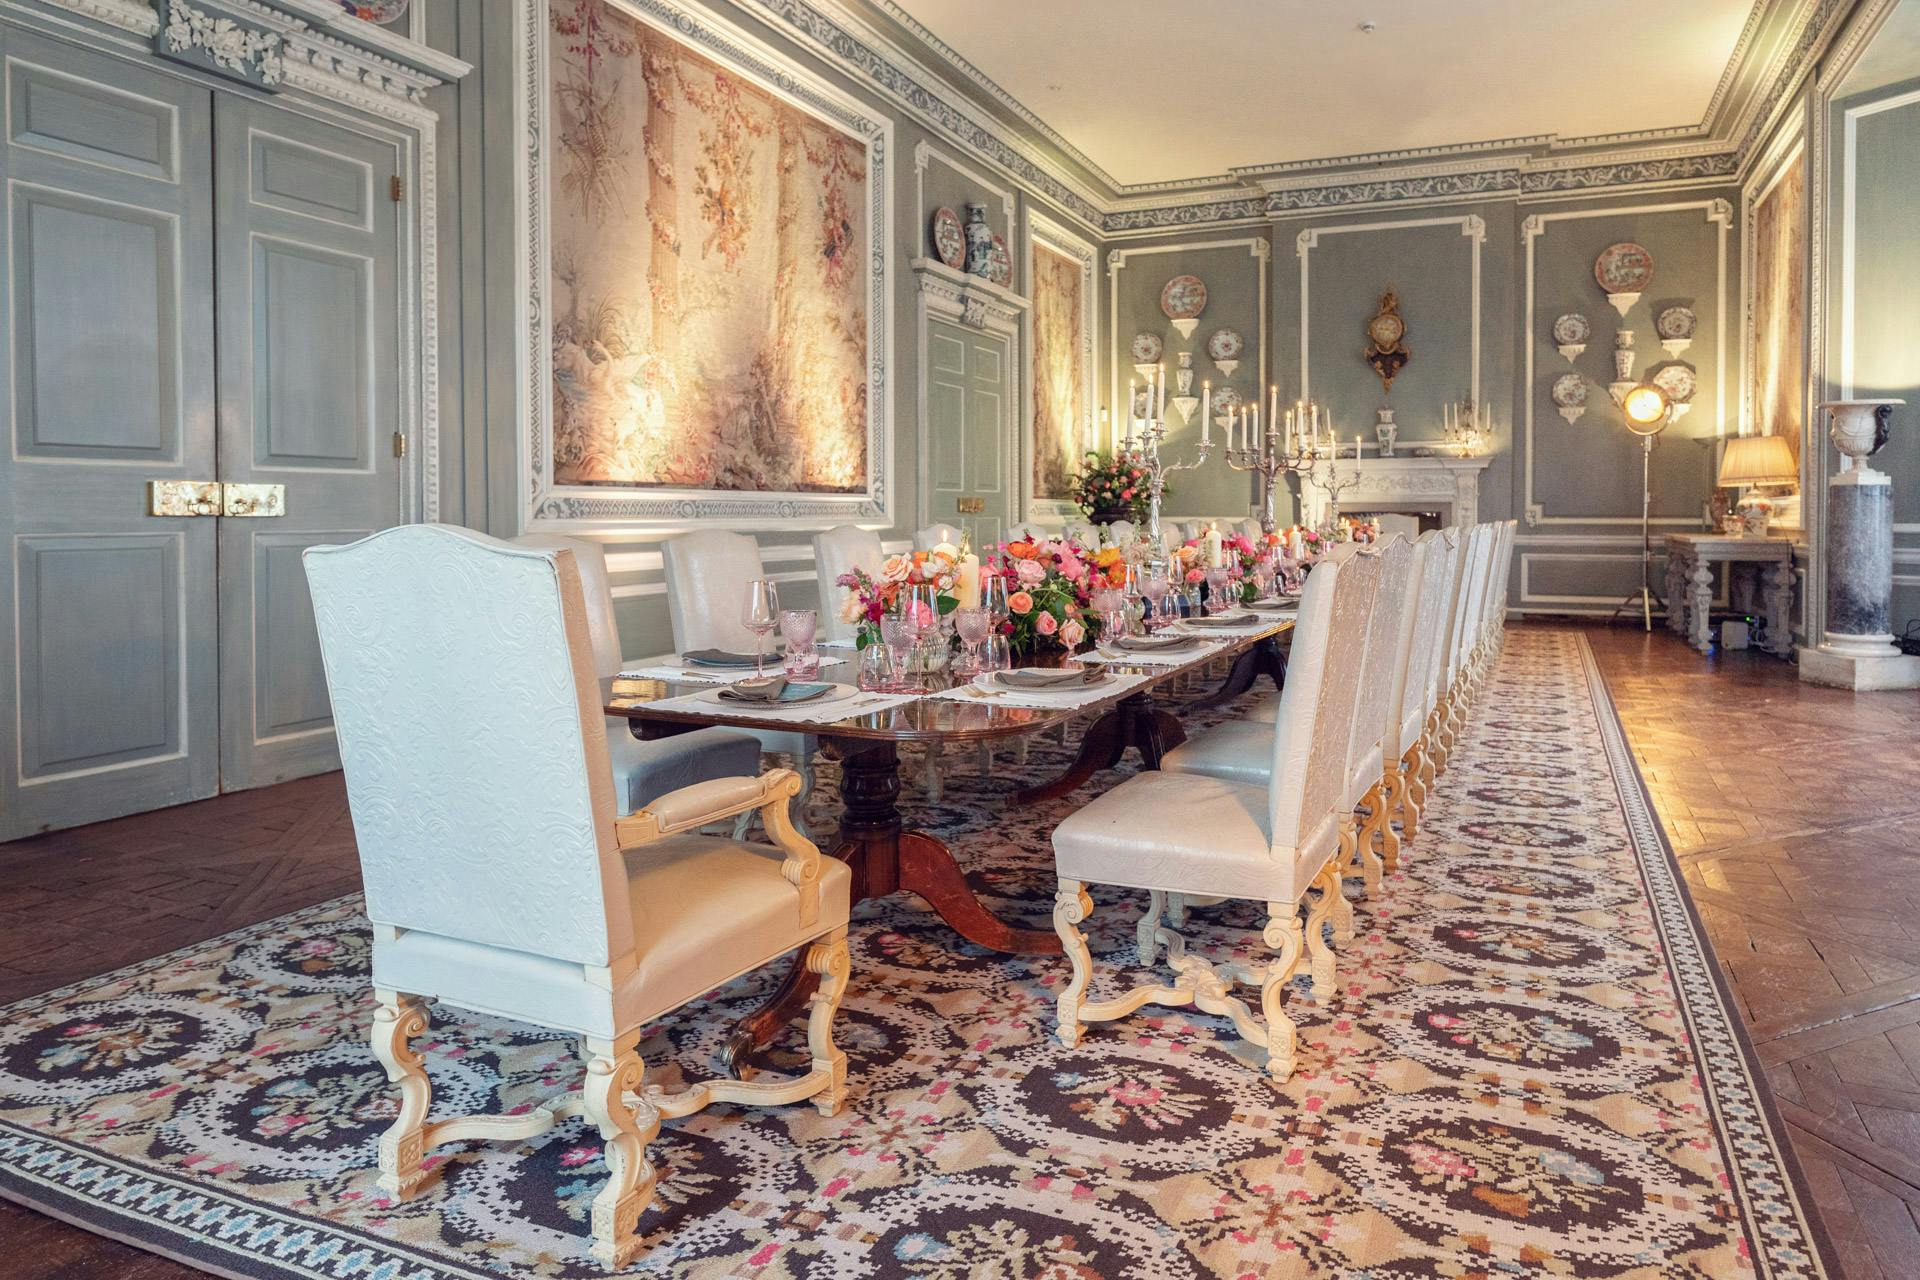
(1160,393)
(1356,455)
(1214,558)
(966,585)
(1206,413)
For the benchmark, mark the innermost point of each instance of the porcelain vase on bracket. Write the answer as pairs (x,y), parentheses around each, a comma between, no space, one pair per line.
(1385,431)
(979,241)
(1183,376)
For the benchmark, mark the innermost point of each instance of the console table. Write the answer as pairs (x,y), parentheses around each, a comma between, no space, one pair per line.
(1690,561)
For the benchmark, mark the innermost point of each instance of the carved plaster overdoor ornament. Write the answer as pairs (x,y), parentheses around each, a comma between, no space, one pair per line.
(1387,352)
(973,301)
(221,44)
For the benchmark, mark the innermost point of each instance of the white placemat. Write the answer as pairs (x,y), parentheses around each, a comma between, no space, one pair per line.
(819,712)
(1162,658)
(686,672)
(1049,699)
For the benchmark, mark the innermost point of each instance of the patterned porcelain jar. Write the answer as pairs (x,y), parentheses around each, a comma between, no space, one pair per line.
(979,241)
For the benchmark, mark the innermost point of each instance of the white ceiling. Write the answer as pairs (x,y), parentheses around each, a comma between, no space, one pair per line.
(1158,90)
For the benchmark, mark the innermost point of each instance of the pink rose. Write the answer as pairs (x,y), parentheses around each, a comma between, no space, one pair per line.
(1072,634)
(1196,575)
(1045,624)
(1020,602)
(1030,572)
(1072,569)
(1126,495)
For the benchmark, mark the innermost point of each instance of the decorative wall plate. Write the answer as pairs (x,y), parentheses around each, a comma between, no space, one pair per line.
(1000,263)
(1182,299)
(1571,328)
(949,241)
(378,11)
(1570,396)
(1146,348)
(1679,382)
(1624,268)
(1225,344)
(1225,401)
(1675,326)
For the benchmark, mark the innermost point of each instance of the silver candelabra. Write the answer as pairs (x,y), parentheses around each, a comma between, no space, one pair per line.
(1323,472)
(1143,451)
(1270,462)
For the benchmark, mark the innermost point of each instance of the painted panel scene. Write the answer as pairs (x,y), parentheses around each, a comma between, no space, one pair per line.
(709,282)
(1780,305)
(1059,371)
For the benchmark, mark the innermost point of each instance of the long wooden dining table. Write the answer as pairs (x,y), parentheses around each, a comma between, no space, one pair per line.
(887,857)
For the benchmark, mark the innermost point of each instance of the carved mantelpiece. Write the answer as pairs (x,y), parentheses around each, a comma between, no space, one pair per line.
(1453,483)
(968,300)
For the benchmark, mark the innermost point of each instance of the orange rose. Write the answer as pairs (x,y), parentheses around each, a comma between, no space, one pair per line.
(1020,602)
(1022,550)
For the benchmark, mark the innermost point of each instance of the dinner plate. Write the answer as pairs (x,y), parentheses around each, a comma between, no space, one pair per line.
(988,681)
(1223,620)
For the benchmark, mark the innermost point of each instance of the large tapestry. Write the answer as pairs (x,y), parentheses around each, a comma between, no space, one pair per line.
(1779,364)
(709,271)
(1059,370)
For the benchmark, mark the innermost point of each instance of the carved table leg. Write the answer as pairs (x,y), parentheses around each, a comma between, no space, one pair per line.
(1777,592)
(927,867)
(1700,606)
(1262,659)
(1676,599)
(1102,747)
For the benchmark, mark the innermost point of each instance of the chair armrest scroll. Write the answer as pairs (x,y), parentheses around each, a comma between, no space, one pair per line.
(718,798)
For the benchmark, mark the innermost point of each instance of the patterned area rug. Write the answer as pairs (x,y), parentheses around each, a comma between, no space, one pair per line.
(1530,1070)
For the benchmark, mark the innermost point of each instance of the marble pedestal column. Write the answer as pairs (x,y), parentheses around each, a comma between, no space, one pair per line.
(1857,651)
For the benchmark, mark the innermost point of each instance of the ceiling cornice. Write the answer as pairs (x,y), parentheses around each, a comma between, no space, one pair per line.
(1776,50)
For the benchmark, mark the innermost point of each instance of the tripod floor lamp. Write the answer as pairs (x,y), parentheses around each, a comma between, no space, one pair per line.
(1648,410)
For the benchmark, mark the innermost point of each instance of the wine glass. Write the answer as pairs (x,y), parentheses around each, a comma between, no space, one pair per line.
(971,624)
(998,655)
(797,627)
(993,596)
(1263,577)
(760,615)
(1217,589)
(1155,589)
(897,634)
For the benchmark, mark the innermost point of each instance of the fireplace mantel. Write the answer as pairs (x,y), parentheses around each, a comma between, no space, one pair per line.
(1404,482)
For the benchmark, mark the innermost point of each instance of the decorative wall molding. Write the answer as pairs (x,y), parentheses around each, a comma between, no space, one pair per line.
(1472,226)
(968,300)
(1718,212)
(1117,261)
(219,42)
(925,153)
(546,505)
(1045,232)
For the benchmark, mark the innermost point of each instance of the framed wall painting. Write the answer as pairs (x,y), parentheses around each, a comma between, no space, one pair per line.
(1061,272)
(707,297)
(1777,305)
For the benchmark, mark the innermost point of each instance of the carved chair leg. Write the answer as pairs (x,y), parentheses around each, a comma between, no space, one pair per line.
(936,791)
(1343,854)
(1147,945)
(1319,954)
(1177,905)
(1394,799)
(827,957)
(1282,935)
(1413,801)
(614,1071)
(398,1018)
(1071,906)
(1366,856)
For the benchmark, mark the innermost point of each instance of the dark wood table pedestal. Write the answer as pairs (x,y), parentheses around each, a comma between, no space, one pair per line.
(885,858)
(1266,658)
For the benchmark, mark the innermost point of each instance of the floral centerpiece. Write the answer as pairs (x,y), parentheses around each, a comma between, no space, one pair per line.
(1050,582)
(1112,487)
(870,598)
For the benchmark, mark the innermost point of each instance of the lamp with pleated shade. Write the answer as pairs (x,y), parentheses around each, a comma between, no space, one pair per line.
(1754,462)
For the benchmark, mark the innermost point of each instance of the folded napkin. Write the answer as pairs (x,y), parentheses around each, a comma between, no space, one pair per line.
(722,658)
(1152,644)
(775,689)
(1223,620)
(1039,678)
(1285,604)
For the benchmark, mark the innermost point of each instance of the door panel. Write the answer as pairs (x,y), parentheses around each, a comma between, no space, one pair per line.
(108,332)
(309,382)
(967,428)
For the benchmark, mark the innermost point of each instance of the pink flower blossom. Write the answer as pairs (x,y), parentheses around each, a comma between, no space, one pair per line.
(1046,624)
(1030,572)
(1196,575)
(1070,568)
(1072,634)
(1020,602)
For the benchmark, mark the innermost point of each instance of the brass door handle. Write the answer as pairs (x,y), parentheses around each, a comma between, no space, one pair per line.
(212,498)
(969,506)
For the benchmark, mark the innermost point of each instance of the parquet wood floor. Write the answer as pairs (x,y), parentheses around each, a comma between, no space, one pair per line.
(1795,812)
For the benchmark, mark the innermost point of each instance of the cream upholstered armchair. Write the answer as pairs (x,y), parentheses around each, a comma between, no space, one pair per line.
(643,770)
(707,574)
(498,878)
(842,550)
(1173,833)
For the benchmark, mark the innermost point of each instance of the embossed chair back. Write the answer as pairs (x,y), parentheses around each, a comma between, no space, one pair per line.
(467,708)
(841,550)
(1385,618)
(707,574)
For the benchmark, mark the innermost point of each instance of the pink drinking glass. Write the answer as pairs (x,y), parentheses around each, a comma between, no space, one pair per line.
(797,628)
(971,625)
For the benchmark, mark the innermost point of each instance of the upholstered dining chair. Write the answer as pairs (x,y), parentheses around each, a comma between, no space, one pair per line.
(643,770)
(1167,833)
(707,574)
(933,535)
(1473,582)
(1027,531)
(839,550)
(499,879)
(1407,719)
